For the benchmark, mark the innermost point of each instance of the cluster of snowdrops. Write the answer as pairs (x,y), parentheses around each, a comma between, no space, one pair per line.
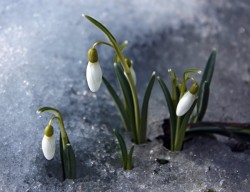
(186,105)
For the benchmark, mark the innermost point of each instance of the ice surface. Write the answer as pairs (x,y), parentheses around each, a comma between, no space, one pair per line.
(43,46)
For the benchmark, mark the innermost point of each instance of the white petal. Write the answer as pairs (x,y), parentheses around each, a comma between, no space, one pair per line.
(49,147)
(94,76)
(185,103)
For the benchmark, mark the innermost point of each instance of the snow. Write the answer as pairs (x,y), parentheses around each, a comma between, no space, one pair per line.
(43,58)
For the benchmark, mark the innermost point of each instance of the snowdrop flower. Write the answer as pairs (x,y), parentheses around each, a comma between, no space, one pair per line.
(132,71)
(94,71)
(48,143)
(187,100)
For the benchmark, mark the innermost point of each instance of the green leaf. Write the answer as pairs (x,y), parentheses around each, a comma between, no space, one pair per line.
(203,95)
(171,109)
(144,110)
(118,103)
(209,69)
(128,98)
(130,158)
(69,162)
(183,127)
(239,130)
(123,148)
(202,102)
(62,158)
(101,27)
(174,89)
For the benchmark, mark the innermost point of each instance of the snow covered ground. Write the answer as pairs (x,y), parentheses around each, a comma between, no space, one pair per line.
(43,56)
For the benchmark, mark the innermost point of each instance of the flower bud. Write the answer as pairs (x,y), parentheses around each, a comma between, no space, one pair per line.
(94,71)
(93,55)
(48,143)
(187,100)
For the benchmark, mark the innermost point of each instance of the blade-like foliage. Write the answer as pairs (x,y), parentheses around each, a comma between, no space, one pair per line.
(144,110)
(69,162)
(130,158)
(101,27)
(127,95)
(171,110)
(123,148)
(183,127)
(203,100)
(203,95)
(118,103)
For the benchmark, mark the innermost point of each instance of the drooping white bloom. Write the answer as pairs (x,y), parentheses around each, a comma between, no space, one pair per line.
(48,147)
(94,76)
(185,103)
(49,143)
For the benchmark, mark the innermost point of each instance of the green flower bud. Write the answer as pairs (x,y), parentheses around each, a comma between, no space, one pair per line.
(92,55)
(194,88)
(49,131)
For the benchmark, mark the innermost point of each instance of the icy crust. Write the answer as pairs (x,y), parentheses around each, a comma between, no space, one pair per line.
(204,164)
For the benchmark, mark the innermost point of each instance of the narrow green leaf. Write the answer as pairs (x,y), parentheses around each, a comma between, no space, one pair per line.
(118,103)
(61,154)
(101,27)
(202,101)
(173,83)
(130,158)
(242,134)
(209,69)
(203,95)
(183,127)
(171,109)
(144,110)
(69,162)
(127,95)
(123,148)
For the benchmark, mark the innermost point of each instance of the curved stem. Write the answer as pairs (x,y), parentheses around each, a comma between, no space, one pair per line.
(58,116)
(102,42)
(133,89)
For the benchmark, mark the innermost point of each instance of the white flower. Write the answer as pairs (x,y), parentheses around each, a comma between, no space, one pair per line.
(49,143)
(185,103)
(94,76)
(49,147)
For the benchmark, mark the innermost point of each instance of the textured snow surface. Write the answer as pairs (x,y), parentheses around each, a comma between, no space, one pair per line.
(43,57)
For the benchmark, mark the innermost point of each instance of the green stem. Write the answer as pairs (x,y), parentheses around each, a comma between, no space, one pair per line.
(102,42)
(58,116)
(177,134)
(133,90)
